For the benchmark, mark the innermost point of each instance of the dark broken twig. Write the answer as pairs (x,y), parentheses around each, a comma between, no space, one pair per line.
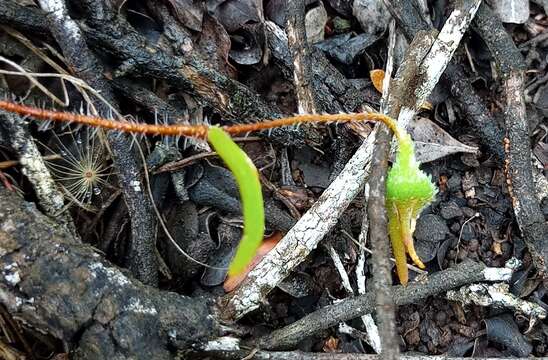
(299,49)
(142,256)
(57,285)
(440,282)
(517,144)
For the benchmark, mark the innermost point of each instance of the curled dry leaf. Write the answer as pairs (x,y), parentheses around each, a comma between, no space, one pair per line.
(233,14)
(432,142)
(190,13)
(346,48)
(214,45)
(232,282)
(248,44)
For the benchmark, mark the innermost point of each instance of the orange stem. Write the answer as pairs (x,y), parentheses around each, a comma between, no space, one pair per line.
(196,131)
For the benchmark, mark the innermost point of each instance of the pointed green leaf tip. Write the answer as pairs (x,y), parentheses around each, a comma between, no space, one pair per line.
(251,196)
(408,191)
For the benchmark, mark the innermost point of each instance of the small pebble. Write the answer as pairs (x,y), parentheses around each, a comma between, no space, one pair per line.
(450,210)
(454,183)
(441,318)
(431,227)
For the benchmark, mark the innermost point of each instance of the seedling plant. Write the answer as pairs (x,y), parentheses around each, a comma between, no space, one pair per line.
(408,189)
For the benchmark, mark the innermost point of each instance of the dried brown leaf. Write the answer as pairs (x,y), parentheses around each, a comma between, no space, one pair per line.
(190,13)
(432,142)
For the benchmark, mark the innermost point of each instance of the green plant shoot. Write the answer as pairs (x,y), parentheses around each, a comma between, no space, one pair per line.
(408,191)
(251,196)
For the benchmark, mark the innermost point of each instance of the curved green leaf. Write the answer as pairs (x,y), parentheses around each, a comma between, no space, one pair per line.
(251,196)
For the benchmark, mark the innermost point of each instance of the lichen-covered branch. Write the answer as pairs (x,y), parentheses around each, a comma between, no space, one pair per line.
(410,21)
(53,283)
(35,169)
(298,47)
(67,33)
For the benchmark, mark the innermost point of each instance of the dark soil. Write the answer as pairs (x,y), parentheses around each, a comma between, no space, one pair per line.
(240,76)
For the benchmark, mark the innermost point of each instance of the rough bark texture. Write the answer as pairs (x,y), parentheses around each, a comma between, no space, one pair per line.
(299,355)
(378,223)
(24,18)
(55,284)
(298,46)
(519,173)
(34,167)
(500,43)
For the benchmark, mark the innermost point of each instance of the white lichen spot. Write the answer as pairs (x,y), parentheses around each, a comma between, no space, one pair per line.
(58,10)
(11,274)
(8,226)
(13,278)
(497,274)
(513,264)
(114,275)
(136,185)
(34,168)
(226,343)
(136,306)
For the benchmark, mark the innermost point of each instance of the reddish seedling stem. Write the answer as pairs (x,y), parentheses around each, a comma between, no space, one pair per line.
(195,131)
(406,183)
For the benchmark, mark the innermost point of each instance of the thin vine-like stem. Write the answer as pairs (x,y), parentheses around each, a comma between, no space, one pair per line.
(196,131)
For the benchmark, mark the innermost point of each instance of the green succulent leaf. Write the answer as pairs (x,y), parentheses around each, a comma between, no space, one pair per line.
(251,196)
